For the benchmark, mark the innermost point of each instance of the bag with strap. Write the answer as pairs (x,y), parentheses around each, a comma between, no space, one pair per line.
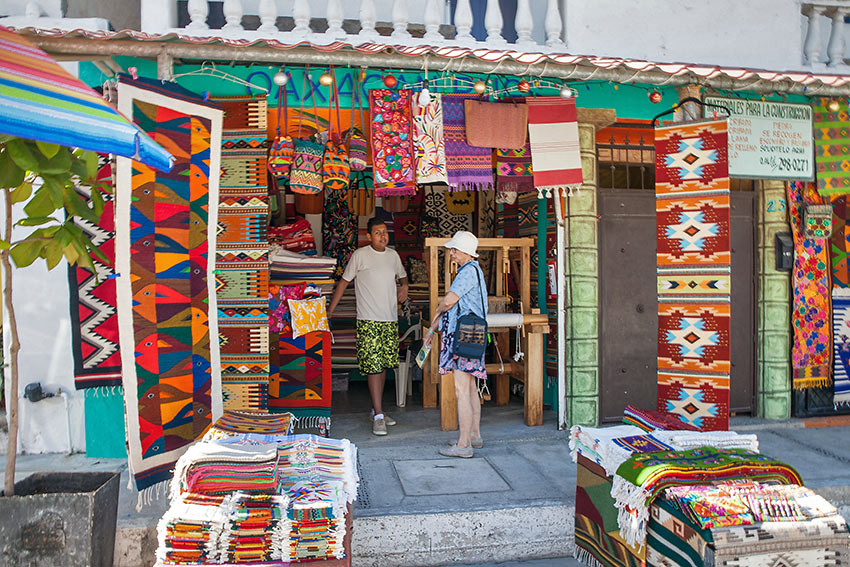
(361,199)
(496,125)
(282,149)
(470,338)
(306,174)
(336,170)
(357,143)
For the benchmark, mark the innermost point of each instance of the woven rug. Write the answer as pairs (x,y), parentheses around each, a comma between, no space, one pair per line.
(832,147)
(841,334)
(840,243)
(644,476)
(513,169)
(301,383)
(597,537)
(164,242)
(437,220)
(650,420)
(242,263)
(693,270)
(94,316)
(428,140)
(467,167)
(811,314)
(392,142)
(553,135)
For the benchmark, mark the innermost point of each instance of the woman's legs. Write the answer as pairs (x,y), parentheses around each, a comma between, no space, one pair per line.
(475,402)
(464,385)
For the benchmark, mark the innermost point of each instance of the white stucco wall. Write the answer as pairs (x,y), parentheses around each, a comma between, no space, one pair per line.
(49,8)
(756,33)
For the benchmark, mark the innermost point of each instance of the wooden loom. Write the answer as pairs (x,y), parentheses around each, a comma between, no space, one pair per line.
(534,326)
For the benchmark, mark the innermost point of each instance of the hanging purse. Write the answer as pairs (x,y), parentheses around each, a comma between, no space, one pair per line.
(336,170)
(282,149)
(817,222)
(361,199)
(495,124)
(470,338)
(305,176)
(357,143)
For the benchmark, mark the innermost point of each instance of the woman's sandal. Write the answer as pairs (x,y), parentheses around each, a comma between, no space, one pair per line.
(455,451)
(476,443)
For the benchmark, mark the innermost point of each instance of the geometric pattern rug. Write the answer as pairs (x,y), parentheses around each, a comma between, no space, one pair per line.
(841,338)
(301,379)
(165,244)
(242,262)
(693,272)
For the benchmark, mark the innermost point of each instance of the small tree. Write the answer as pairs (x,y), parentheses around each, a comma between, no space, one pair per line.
(43,177)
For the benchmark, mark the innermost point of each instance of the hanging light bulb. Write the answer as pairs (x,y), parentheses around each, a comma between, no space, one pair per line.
(566,92)
(280,78)
(424,95)
(326,79)
(480,87)
(833,105)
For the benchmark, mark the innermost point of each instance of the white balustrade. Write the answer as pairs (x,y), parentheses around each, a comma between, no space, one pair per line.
(820,17)
(232,14)
(428,14)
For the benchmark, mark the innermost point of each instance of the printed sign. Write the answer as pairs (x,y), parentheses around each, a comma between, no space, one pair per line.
(768,140)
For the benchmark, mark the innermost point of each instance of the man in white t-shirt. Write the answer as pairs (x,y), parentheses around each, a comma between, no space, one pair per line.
(376,269)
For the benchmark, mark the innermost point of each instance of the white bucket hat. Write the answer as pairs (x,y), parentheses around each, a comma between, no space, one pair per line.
(464,241)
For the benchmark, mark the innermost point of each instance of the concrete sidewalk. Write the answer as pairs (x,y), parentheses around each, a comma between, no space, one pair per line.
(513,501)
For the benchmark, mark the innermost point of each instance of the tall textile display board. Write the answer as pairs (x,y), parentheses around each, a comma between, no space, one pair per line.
(693,269)
(165,240)
(242,255)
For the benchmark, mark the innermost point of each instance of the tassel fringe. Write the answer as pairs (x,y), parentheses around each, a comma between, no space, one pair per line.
(585,557)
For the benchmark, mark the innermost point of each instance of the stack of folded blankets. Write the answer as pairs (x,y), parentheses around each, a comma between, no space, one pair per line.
(288,268)
(250,493)
(296,237)
(343,326)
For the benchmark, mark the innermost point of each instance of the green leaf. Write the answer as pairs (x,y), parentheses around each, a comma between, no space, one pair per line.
(77,206)
(58,164)
(10,174)
(22,192)
(21,153)
(55,188)
(100,255)
(26,252)
(90,158)
(97,201)
(71,253)
(47,149)
(62,236)
(41,204)
(52,254)
(36,221)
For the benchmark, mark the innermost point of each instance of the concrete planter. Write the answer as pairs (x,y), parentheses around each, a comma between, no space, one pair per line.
(63,519)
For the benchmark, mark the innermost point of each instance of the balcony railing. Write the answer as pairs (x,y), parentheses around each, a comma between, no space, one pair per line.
(360,21)
(824,30)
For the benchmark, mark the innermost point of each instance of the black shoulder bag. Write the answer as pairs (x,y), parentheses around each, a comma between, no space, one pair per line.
(470,338)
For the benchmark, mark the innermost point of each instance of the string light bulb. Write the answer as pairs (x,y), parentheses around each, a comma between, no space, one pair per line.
(326,79)
(425,95)
(566,92)
(833,105)
(280,78)
(480,87)
(655,97)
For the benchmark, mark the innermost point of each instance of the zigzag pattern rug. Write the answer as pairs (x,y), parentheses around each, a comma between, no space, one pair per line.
(832,140)
(242,263)
(94,315)
(301,379)
(165,239)
(693,267)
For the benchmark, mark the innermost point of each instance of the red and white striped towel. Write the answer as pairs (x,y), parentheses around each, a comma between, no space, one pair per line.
(553,133)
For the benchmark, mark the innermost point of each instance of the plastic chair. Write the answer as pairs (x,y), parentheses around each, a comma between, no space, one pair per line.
(404,376)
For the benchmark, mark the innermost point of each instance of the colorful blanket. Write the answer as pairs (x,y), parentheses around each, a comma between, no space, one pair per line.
(553,135)
(513,170)
(392,142)
(165,241)
(428,141)
(841,334)
(693,268)
(301,379)
(233,423)
(339,228)
(832,137)
(94,316)
(242,264)
(641,478)
(811,313)
(468,167)
(220,468)
(649,420)
(597,537)
(840,243)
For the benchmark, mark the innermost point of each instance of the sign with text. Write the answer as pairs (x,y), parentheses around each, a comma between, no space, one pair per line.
(768,140)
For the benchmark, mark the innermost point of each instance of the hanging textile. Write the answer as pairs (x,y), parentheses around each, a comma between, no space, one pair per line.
(811,314)
(392,142)
(301,382)
(840,243)
(428,140)
(693,267)
(553,133)
(514,173)
(832,139)
(467,167)
(94,316)
(841,334)
(165,243)
(339,228)
(437,220)
(242,262)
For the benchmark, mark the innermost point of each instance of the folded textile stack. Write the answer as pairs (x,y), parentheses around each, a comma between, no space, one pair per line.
(317,515)
(296,237)
(223,467)
(683,440)
(288,268)
(266,427)
(650,420)
(342,324)
(596,444)
(309,458)
(258,529)
(189,533)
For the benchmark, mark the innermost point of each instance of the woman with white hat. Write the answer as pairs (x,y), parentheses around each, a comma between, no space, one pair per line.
(467,294)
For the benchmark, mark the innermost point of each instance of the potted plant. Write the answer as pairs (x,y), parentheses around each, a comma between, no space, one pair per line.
(62,518)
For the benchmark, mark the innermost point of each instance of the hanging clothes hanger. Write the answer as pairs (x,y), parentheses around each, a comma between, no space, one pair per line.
(694,100)
(210,70)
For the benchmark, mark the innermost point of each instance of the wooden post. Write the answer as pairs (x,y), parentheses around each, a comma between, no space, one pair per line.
(525,280)
(448,403)
(502,395)
(534,377)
